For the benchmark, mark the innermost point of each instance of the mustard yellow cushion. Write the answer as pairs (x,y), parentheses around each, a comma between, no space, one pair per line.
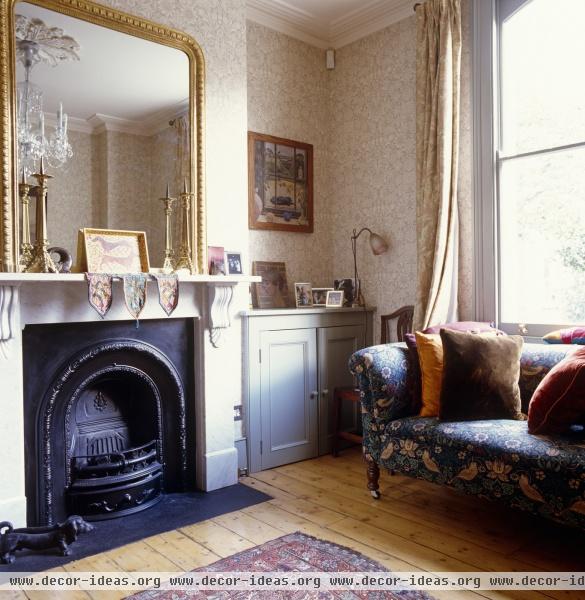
(430,356)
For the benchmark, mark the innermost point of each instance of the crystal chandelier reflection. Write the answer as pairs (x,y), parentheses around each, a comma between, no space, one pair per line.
(35,42)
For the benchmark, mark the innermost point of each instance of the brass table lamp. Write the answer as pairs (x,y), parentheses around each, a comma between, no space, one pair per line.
(378,245)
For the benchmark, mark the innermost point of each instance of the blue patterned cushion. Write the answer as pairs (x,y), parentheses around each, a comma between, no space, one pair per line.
(496,459)
(536,361)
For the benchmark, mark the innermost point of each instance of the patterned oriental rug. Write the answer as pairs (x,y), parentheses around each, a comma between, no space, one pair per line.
(292,552)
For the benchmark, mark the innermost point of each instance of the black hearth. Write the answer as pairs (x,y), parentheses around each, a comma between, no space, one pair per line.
(107,408)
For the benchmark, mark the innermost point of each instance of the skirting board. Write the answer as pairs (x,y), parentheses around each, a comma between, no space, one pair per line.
(221,469)
(14,510)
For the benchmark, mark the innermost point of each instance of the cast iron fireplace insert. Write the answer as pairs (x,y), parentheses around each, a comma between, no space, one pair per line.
(109,417)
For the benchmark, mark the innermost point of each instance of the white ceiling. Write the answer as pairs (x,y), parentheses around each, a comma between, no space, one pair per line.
(119,77)
(328,23)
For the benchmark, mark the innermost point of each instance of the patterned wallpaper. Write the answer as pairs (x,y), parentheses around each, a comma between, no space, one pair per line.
(113,180)
(361,117)
(372,154)
(288,97)
(70,195)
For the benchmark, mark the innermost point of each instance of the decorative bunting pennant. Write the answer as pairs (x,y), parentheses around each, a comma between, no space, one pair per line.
(99,292)
(135,293)
(168,292)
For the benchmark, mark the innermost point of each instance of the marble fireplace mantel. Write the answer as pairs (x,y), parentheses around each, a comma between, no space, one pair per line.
(220,292)
(210,300)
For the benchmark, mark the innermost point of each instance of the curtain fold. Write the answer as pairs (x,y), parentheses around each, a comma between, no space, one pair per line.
(438,69)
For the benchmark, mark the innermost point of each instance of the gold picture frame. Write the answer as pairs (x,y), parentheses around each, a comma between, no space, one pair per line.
(112,251)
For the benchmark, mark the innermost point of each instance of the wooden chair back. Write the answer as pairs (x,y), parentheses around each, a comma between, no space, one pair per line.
(403,317)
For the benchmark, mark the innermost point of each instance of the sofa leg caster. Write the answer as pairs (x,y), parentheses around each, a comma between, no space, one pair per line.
(373,478)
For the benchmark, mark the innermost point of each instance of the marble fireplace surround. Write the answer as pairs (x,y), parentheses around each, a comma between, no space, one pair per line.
(46,298)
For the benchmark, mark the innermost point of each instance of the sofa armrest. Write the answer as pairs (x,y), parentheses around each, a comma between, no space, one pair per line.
(385,378)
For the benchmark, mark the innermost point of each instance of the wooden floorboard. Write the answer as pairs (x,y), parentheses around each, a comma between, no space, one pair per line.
(414,526)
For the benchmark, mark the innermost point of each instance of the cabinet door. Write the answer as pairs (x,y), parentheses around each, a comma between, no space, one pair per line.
(288,396)
(336,345)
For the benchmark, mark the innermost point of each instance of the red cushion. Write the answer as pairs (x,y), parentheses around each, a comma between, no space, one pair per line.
(559,400)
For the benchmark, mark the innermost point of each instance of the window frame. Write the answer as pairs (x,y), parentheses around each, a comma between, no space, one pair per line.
(486,166)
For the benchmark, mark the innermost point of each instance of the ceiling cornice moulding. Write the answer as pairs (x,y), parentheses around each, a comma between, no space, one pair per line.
(354,25)
(287,19)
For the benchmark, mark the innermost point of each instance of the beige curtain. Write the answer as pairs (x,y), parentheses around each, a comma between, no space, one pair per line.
(438,66)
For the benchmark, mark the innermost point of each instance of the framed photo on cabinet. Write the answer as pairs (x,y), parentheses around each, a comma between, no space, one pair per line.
(320,296)
(303,295)
(280,180)
(273,291)
(334,299)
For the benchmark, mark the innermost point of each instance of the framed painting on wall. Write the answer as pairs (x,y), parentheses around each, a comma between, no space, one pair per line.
(280,180)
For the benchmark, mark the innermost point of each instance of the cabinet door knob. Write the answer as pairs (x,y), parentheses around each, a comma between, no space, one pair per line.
(325,393)
(314,395)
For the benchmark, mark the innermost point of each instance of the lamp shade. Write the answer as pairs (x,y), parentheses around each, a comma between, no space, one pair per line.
(378,244)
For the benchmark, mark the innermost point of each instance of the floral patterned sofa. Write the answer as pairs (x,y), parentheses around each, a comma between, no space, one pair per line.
(495,459)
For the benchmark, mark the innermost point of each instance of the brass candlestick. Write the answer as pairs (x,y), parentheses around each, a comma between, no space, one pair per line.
(184,261)
(41,260)
(168,204)
(26,248)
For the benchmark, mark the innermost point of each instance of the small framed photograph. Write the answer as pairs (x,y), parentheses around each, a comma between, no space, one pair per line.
(112,251)
(233,261)
(320,296)
(216,260)
(349,288)
(303,295)
(272,292)
(334,299)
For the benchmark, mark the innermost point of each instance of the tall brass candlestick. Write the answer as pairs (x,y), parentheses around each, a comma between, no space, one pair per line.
(26,248)
(184,261)
(168,206)
(41,260)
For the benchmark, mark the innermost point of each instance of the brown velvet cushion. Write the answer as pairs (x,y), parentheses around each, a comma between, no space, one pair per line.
(559,400)
(415,381)
(480,377)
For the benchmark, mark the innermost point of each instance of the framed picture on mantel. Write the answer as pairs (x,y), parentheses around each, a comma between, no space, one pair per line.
(280,180)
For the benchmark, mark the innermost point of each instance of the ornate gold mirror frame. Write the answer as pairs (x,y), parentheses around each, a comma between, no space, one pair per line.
(125,23)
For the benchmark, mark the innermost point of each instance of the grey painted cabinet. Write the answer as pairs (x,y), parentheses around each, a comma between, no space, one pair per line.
(295,359)
(288,395)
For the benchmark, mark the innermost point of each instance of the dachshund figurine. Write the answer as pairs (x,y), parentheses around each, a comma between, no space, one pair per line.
(58,536)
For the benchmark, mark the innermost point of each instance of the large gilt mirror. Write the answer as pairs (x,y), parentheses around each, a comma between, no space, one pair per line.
(113,105)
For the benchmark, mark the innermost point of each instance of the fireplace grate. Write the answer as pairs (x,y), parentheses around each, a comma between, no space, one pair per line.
(115,483)
(114,462)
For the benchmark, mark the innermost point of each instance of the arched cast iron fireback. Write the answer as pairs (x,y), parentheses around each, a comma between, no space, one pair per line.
(140,360)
